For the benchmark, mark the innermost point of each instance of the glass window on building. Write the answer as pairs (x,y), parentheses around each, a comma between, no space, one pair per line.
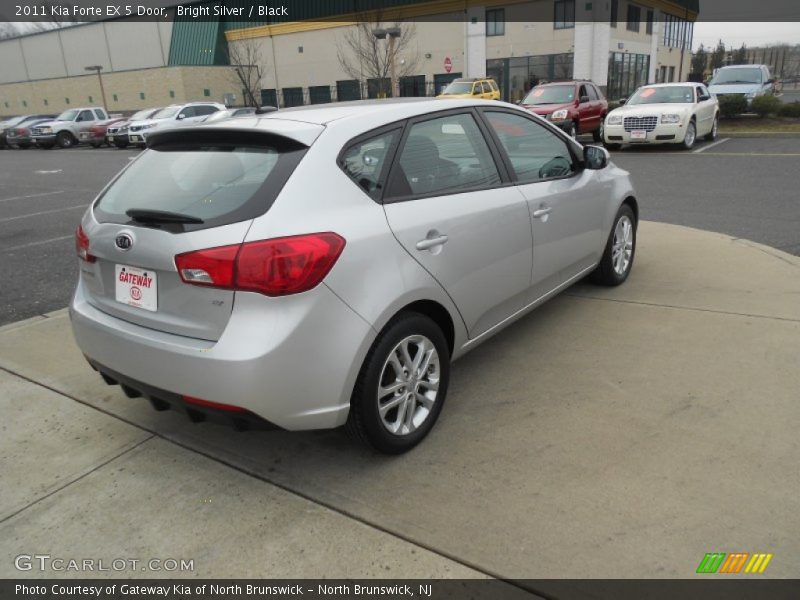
(412,85)
(634,17)
(614,12)
(495,22)
(379,88)
(269,97)
(319,94)
(292,96)
(650,18)
(348,89)
(516,76)
(564,17)
(626,72)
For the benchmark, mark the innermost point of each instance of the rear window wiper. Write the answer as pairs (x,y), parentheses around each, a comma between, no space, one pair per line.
(145,215)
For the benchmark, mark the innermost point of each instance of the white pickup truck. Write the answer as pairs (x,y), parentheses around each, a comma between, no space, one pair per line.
(64,130)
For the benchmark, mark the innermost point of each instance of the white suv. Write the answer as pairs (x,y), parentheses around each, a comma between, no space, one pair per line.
(175,115)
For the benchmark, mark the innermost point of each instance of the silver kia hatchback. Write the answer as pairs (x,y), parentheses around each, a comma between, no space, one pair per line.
(322,266)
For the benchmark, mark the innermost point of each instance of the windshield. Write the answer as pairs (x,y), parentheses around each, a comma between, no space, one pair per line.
(459,87)
(166,113)
(673,94)
(142,114)
(556,94)
(746,75)
(68,115)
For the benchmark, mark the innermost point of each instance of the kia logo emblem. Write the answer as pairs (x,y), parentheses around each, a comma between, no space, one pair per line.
(124,242)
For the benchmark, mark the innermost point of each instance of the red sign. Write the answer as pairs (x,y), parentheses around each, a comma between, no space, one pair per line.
(448,64)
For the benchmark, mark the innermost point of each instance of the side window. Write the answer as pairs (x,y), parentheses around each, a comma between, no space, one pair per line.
(590,90)
(582,92)
(86,115)
(535,152)
(205,109)
(443,156)
(187,112)
(486,88)
(366,162)
(100,114)
(702,93)
(493,85)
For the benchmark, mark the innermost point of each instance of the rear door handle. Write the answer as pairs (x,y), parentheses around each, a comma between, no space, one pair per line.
(538,214)
(431,242)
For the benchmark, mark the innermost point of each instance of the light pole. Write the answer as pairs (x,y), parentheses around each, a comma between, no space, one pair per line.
(391,33)
(99,68)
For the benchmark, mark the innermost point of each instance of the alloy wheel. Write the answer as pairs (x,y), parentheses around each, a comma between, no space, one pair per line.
(622,246)
(408,385)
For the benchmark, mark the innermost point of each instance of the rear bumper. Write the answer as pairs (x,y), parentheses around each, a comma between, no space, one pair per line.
(292,361)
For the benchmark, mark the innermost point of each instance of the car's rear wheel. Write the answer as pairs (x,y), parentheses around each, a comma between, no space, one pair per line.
(617,261)
(691,136)
(402,385)
(45,146)
(96,145)
(712,135)
(121,145)
(65,139)
(24,145)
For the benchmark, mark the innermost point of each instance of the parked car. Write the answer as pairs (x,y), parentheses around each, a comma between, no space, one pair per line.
(19,136)
(665,113)
(320,267)
(95,135)
(176,115)
(471,88)
(574,106)
(231,113)
(22,122)
(750,81)
(66,127)
(117,134)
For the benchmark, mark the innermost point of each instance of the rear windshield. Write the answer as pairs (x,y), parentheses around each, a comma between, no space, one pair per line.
(459,87)
(219,184)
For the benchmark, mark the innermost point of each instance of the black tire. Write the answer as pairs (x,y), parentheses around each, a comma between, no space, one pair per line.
(712,135)
(572,131)
(121,145)
(96,145)
(605,274)
(364,423)
(597,134)
(65,140)
(24,145)
(612,146)
(689,140)
(45,146)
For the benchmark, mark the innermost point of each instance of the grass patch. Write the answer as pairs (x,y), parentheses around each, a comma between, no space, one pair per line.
(754,124)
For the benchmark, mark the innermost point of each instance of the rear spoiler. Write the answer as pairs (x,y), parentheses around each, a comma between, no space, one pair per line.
(178,138)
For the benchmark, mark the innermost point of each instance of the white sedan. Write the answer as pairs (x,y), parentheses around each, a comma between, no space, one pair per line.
(665,113)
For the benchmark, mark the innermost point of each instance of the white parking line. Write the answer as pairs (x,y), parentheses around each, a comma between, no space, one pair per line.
(55,239)
(704,148)
(30,196)
(44,212)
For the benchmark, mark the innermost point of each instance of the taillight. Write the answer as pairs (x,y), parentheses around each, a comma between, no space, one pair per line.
(275,267)
(214,405)
(82,245)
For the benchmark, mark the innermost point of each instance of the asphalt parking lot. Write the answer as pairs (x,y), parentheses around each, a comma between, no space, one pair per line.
(744,187)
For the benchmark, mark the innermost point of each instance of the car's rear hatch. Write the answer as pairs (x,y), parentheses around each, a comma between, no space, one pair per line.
(193,189)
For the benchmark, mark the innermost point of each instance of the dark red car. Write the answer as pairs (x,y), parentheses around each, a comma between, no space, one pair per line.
(96,134)
(575,106)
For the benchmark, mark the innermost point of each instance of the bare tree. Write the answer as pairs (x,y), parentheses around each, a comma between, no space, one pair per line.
(247,60)
(379,52)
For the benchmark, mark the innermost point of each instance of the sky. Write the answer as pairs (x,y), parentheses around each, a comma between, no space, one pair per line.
(751,34)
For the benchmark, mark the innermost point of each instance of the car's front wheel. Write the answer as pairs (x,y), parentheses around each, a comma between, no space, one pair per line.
(617,261)
(712,135)
(572,130)
(691,136)
(65,139)
(597,134)
(402,385)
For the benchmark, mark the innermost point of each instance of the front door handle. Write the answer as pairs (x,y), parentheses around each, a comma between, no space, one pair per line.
(431,242)
(538,214)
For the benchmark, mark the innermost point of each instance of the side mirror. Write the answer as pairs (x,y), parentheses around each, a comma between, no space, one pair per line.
(623,101)
(181,117)
(584,99)
(595,157)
